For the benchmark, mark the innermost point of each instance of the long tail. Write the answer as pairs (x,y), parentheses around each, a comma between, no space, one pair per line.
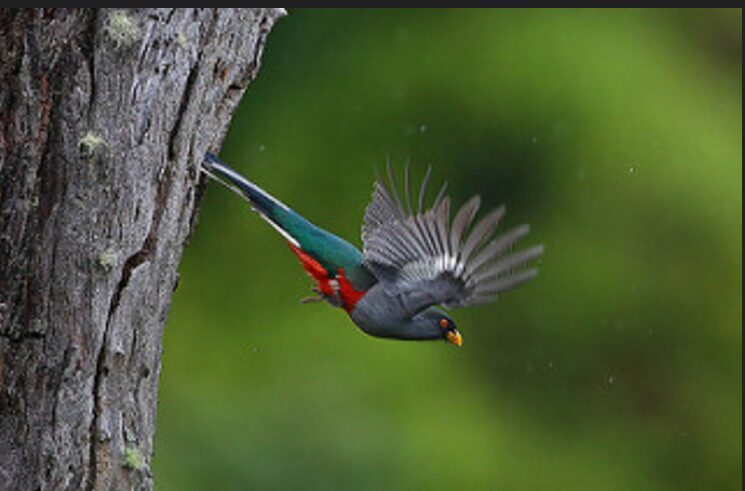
(331,252)
(267,206)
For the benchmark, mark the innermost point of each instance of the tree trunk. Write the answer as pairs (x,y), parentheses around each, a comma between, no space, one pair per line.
(104,118)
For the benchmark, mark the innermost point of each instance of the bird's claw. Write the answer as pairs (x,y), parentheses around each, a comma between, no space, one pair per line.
(317,297)
(310,299)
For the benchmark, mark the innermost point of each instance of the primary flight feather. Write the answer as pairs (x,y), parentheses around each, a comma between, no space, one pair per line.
(412,260)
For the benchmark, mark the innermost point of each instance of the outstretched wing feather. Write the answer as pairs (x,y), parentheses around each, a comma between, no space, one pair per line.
(495,247)
(462,221)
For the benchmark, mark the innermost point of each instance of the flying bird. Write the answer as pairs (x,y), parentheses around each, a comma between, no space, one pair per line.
(413,260)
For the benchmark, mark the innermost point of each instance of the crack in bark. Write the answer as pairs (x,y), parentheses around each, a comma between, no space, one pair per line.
(133,262)
(90,39)
(93,432)
(20,337)
(130,265)
(183,106)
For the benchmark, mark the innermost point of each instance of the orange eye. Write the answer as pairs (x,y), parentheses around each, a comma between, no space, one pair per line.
(444,323)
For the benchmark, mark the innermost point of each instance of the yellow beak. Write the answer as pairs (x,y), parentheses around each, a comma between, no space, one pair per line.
(455,337)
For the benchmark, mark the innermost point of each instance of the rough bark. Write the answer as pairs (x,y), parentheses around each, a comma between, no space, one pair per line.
(104,118)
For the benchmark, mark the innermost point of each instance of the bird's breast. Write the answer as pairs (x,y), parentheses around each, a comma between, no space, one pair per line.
(377,313)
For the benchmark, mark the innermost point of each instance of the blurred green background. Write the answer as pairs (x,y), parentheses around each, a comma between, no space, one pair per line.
(616,134)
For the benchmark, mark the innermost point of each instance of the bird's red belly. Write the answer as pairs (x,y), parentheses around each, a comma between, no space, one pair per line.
(349,296)
(337,289)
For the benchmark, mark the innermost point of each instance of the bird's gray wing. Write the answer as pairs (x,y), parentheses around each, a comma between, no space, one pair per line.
(430,260)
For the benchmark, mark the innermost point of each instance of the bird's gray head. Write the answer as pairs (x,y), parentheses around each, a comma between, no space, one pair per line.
(440,325)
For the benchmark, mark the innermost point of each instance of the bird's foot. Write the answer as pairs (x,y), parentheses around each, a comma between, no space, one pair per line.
(316,297)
